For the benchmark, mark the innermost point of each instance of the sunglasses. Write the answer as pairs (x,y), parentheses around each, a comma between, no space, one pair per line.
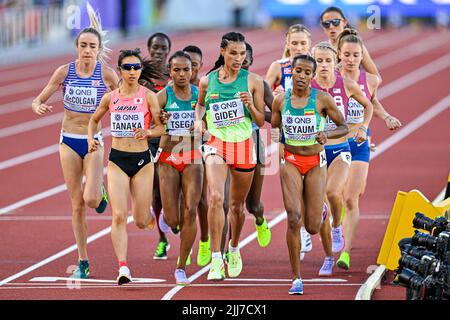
(327,23)
(129,66)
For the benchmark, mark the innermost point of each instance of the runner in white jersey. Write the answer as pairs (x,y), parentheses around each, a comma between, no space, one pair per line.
(84,82)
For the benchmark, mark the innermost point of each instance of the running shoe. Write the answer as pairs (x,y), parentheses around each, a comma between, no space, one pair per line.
(227,257)
(324,212)
(217,270)
(264,234)
(344,261)
(151,224)
(338,239)
(327,267)
(82,271)
(297,287)
(305,238)
(161,250)
(234,263)
(302,256)
(124,276)
(188,260)
(180,277)
(165,227)
(102,206)
(204,252)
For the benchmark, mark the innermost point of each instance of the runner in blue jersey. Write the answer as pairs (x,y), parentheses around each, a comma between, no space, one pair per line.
(84,82)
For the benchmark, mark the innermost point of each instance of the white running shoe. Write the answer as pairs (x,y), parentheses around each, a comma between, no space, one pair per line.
(327,267)
(305,238)
(338,239)
(124,276)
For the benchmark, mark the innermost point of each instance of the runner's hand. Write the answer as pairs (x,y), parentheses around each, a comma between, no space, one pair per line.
(275,134)
(246,98)
(361,135)
(93,145)
(321,137)
(392,123)
(43,109)
(164,117)
(140,134)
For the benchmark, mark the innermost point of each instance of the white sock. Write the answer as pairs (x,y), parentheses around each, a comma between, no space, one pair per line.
(216,255)
(233,249)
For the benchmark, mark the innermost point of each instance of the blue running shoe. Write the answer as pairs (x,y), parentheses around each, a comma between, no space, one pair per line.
(297,287)
(102,206)
(82,272)
(181,278)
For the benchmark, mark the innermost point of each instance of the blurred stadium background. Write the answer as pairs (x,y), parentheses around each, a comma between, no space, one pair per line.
(35,24)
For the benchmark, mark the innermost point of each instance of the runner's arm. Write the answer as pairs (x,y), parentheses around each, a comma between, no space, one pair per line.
(38,105)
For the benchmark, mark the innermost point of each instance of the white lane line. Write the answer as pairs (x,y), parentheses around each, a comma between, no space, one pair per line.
(40,153)
(25,127)
(37,154)
(412,78)
(43,195)
(56,279)
(58,255)
(384,92)
(286,280)
(169,295)
(147,285)
(417,123)
(407,53)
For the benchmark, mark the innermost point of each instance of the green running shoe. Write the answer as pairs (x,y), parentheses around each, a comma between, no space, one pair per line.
(217,270)
(188,260)
(161,250)
(344,261)
(204,253)
(82,272)
(102,206)
(234,263)
(264,234)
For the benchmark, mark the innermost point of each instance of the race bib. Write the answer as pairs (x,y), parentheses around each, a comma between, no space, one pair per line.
(323,158)
(300,128)
(355,112)
(227,113)
(181,122)
(80,99)
(329,124)
(123,124)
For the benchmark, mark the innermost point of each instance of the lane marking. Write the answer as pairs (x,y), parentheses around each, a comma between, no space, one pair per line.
(148,285)
(58,255)
(55,279)
(386,91)
(169,295)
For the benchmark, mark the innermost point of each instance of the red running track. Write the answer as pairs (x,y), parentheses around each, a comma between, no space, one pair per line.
(33,232)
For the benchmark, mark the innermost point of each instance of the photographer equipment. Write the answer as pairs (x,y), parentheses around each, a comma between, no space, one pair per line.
(423,268)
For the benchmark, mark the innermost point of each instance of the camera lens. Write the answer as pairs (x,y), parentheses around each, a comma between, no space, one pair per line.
(420,221)
(424,240)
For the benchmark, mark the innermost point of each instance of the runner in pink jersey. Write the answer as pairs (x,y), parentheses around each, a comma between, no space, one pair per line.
(337,150)
(130,166)
(350,49)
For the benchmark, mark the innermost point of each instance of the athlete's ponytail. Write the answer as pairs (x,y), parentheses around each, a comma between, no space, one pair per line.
(95,27)
(348,35)
(226,38)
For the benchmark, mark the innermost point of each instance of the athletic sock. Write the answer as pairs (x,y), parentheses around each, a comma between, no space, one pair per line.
(233,249)
(216,255)
(122,264)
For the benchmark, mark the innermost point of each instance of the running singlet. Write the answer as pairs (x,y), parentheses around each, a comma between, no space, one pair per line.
(300,126)
(286,74)
(226,115)
(83,95)
(129,113)
(339,96)
(183,112)
(355,110)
